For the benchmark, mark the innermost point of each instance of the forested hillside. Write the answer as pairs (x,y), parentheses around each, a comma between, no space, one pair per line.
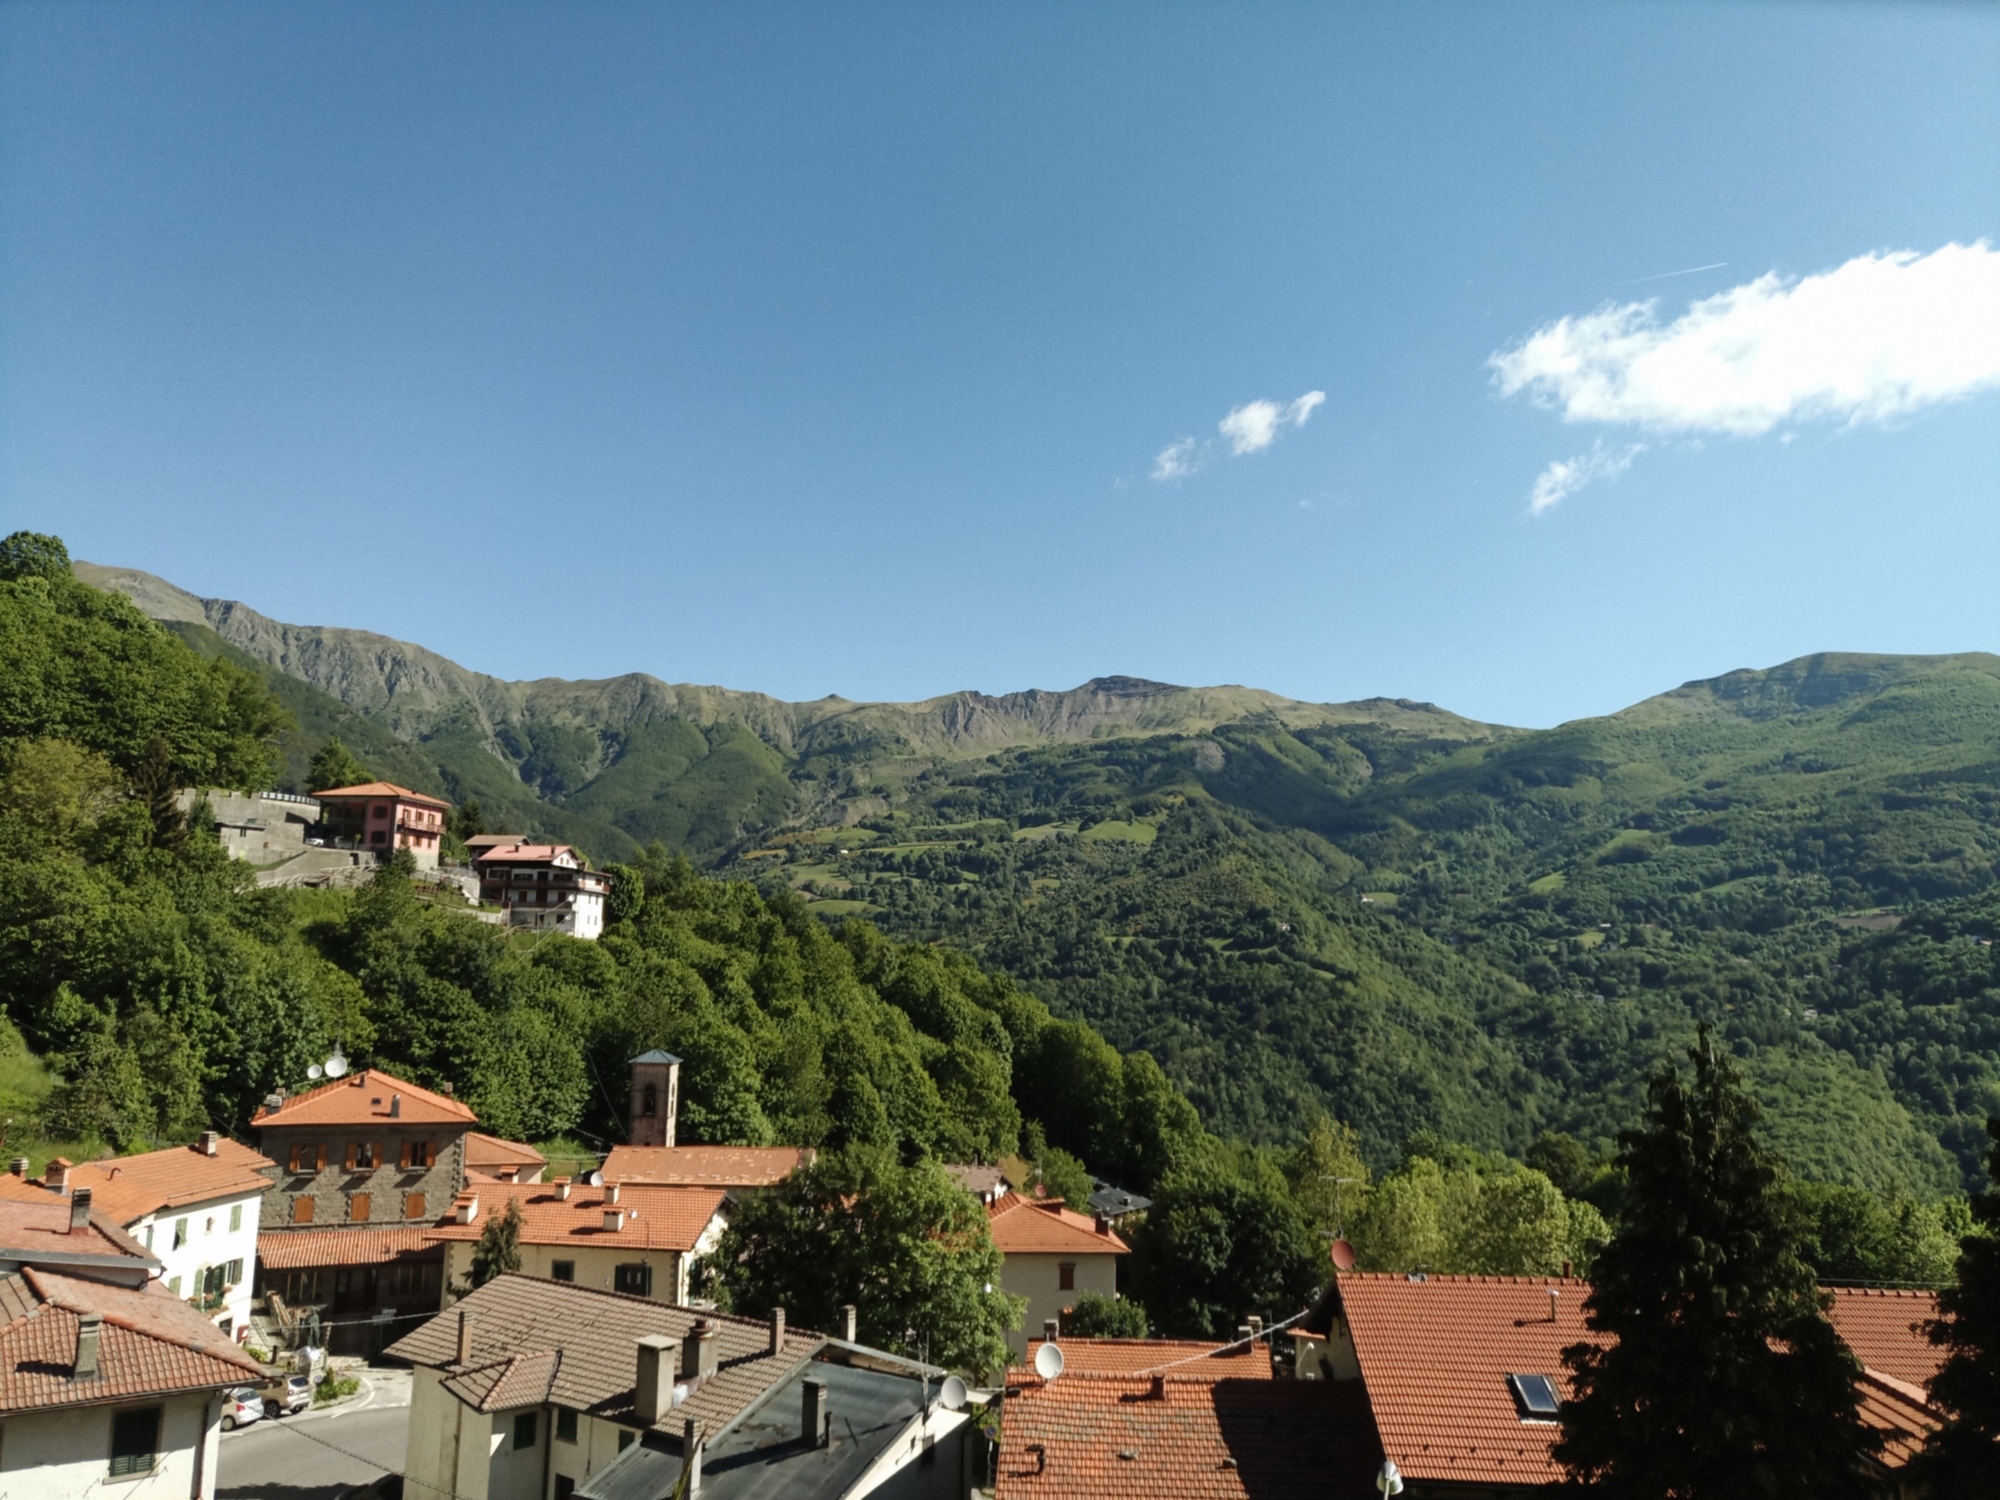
(1379,910)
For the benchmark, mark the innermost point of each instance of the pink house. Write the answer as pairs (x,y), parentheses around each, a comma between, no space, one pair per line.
(384,817)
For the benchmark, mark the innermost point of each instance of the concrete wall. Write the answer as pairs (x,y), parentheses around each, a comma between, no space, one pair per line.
(597,1443)
(448,1450)
(332,1189)
(210,1242)
(62,1454)
(594,1265)
(512,1472)
(1038,1278)
(902,1473)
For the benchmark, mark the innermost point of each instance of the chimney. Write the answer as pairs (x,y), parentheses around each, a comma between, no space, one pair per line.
(653,1392)
(611,1192)
(698,1354)
(395,1106)
(468,1208)
(89,1328)
(847,1321)
(1052,1329)
(614,1219)
(55,1176)
(777,1330)
(1159,1391)
(1256,1327)
(815,1422)
(211,1142)
(1103,1224)
(1569,1269)
(1244,1333)
(690,1457)
(447,1090)
(562,1190)
(464,1336)
(79,1210)
(18,1166)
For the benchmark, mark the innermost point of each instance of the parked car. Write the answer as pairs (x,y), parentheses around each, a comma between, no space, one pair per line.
(285,1394)
(240,1406)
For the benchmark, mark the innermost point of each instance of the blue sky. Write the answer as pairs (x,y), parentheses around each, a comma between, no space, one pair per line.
(834,349)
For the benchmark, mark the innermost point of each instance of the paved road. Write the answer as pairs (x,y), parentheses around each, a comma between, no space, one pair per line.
(318,1455)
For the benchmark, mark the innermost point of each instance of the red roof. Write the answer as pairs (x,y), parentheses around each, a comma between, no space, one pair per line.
(287,1249)
(1886,1331)
(1184,1359)
(367,1097)
(654,1217)
(1110,1437)
(150,1343)
(494,1158)
(383,789)
(22,1189)
(1042,1226)
(130,1187)
(28,1227)
(1435,1356)
(705,1166)
(524,854)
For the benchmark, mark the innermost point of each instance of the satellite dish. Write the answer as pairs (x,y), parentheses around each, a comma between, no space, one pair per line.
(1343,1255)
(336,1065)
(951,1395)
(595,1179)
(315,1071)
(1049,1361)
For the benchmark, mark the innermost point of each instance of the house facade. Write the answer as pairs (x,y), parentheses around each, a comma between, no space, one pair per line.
(195,1208)
(108,1382)
(1053,1255)
(382,817)
(544,887)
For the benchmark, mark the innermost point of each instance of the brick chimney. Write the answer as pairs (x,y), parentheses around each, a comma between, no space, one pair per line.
(653,1386)
(815,1421)
(777,1330)
(55,1176)
(79,1210)
(465,1336)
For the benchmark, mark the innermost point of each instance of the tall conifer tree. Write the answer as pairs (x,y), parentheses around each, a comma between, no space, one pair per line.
(1720,1377)
(1963,1457)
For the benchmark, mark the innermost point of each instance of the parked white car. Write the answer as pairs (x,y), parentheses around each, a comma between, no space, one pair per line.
(241,1406)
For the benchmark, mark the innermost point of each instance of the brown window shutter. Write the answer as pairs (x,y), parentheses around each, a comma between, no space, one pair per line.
(403,1155)
(302,1210)
(360,1208)
(295,1156)
(413,1206)
(352,1148)
(319,1155)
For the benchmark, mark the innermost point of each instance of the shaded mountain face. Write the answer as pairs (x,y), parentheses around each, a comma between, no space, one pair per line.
(1381,910)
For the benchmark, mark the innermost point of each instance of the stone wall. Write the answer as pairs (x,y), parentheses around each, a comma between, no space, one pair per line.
(388,1185)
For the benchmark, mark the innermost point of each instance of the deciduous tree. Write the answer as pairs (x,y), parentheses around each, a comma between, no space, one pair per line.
(1963,1457)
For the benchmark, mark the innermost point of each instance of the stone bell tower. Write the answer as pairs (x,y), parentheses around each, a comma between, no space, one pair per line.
(656,1097)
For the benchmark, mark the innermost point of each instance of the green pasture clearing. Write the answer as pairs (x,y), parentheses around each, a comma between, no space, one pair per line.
(1548,885)
(843,908)
(1130,833)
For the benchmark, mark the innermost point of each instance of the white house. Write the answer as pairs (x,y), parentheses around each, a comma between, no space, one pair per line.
(194,1207)
(544,886)
(108,1383)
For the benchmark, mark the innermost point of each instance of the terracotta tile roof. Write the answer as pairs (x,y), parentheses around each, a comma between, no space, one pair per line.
(22,1189)
(656,1217)
(150,1343)
(1042,1226)
(364,1098)
(1900,1412)
(1435,1356)
(495,1157)
(523,854)
(596,1332)
(31,1229)
(518,1380)
(382,789)
(1110,1437)
(1885,1331)
(288,1249)
(130,1187)
(1185,1356)
(705,1166)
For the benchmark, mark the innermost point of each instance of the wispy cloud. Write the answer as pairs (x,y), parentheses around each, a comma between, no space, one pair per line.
(1566,476)
(1249,428)
(1877,338)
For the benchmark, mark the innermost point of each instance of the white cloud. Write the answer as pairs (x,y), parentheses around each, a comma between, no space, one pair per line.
(1178,460)
(1879,337)
(1254,426)
(1566,476)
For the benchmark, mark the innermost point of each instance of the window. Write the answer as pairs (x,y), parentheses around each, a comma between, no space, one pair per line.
(359,1208)
(378,837)
(650,1102)
(562,1270)
(1066,1276)
(565,1425)
(174,1286)
(307,1157)
(302,1210)
(135,1441)
(637,1280)
(363,1156)
(527,1427)
(381,812)
(413,1205)
(419,1153)
(180,1233)
(232,1274)
(235,1217)
(1536,1395)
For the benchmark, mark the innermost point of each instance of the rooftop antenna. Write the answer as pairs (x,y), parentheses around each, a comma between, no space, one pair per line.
(1049,1361)
(336,1065)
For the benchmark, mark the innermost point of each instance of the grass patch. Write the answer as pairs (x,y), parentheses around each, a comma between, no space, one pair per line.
(1044,830)
(1384,899)
(842,908)
(1548,885)
(1129,833)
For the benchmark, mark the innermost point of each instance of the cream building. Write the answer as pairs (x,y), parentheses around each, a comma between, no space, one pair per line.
(1053,1256)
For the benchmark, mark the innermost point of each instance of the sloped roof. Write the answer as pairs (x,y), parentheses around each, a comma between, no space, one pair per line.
(705,1166)
(23,1190)
(983,1182)
(657,1055)
(130,1187)
(1110,1437)
(1183,1359)
(596,1332)
(364,1098)
(1042,1226)
(656,1217)
(518,1380)
(1885,1331)
(1435,1356)
(382,789)
(1900,1411)
(490,1154)
(525,854)
(30,1230)
(151,1343)
(287,1249)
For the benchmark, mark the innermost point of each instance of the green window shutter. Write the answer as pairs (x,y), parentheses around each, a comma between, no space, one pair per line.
(135,1441)
(235,1217)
